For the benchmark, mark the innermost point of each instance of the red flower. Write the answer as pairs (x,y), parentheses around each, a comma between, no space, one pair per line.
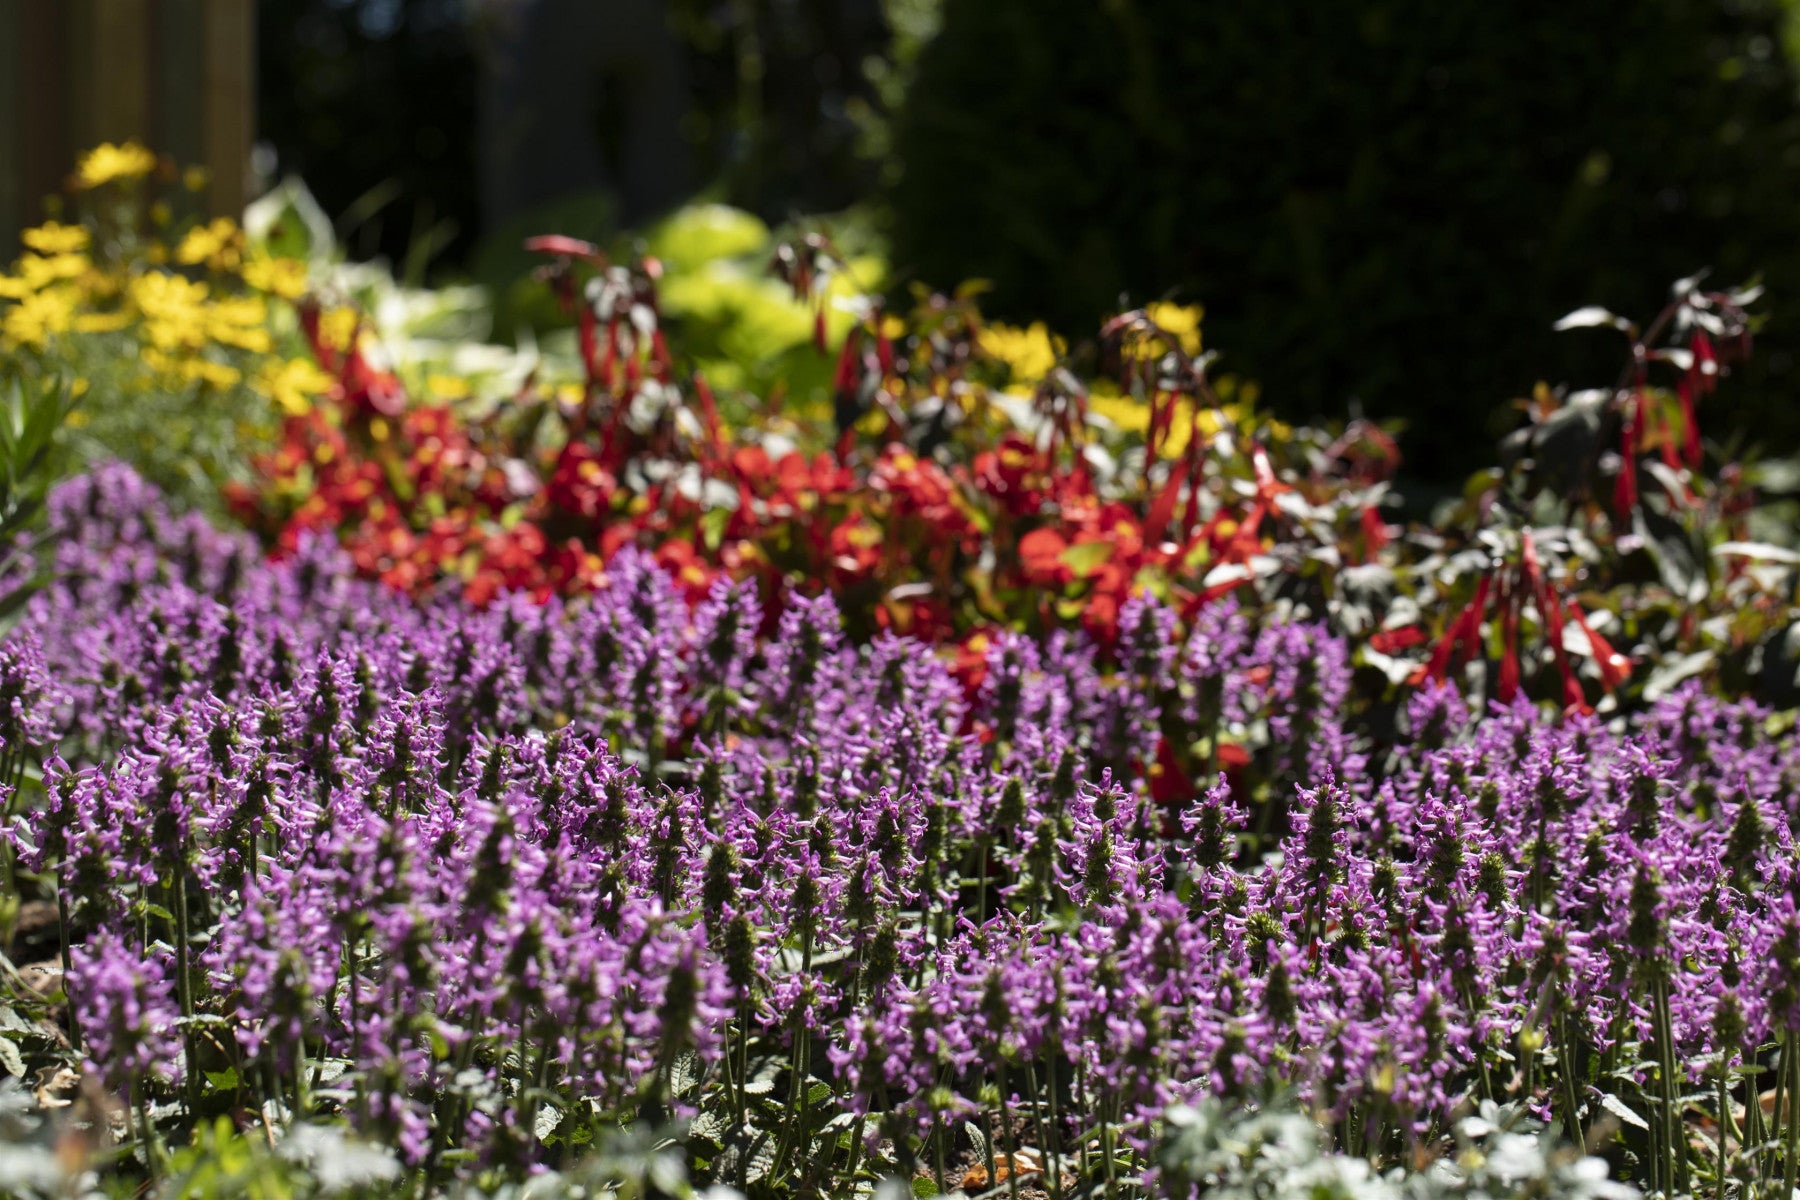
(579,484)
(1041,555)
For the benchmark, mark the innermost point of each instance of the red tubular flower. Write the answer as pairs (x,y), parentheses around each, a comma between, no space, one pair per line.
(1463,638)
(849,365)
(1615,668)
(1509,658)
(1701,378)
(709,413)
(565,247)
(1163,506)
(1551,611)
(1374,531)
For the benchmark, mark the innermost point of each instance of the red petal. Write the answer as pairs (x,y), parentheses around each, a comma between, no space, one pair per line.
(568,247)
(1163,507)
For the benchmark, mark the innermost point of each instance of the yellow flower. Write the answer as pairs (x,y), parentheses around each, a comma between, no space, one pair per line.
(283,277)
(52,238)
(174,310)
(40,272)
(193,368)
(238,321)
(39,316)
(337,327)
(205,371)
(101,322)
(447,387)
(293,384)
(1133,417)
(1029,354)
(216,244)
(107,162)
(1182,322)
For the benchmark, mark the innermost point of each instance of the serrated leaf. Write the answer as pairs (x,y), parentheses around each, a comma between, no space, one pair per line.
(747,1155)
(11,1059)
(977,1139)
(548,1118)
(709,1126)
(763,1073)
(1621,1110)
(684,1073)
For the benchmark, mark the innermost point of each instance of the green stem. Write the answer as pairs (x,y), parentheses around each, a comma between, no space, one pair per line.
(1724,1115)
(1753,1130)
(937,1146)
(1790,1067)
(1571,1095)
(981,883)
(856,1145)
(68,966)
(300,1098)
(1012,1153)
(1112,1184)
(987,1146)
(184,993)
(1037,1117)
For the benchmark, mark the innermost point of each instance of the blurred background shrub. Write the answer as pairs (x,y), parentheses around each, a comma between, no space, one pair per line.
(1382,204)
(1384,201)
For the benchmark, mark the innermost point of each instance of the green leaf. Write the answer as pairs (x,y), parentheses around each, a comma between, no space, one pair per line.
(1084,558)
(1623,1111)
(1590,317)
(701,233)
(1760,551)
(712,526)
(1668,674)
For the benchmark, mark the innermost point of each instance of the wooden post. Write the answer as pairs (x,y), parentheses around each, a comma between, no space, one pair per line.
(176,75)
(12,149)
(230,101)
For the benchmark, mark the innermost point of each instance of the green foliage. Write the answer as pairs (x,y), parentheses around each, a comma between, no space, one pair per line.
(1383,200)
(31,414)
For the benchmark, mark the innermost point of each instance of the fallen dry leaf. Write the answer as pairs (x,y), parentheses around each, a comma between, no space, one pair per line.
(1027,1161)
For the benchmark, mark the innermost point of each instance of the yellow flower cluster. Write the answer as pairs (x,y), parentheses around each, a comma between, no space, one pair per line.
(1181,322)
(198,311)
(1029,354)
(294,384)
(106,163)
